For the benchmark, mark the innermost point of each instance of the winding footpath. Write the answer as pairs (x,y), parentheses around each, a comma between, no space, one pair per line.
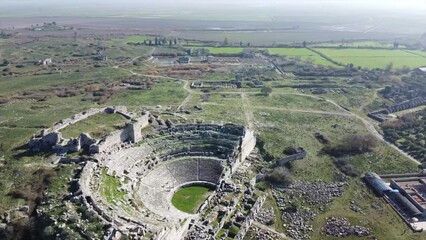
(250,119)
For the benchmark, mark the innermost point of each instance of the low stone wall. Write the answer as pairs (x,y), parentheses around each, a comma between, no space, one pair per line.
(298,156)
(75,118)
(245,226)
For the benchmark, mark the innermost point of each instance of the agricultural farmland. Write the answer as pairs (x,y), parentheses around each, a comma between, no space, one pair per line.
(302,53)
(357,44)
(374,58)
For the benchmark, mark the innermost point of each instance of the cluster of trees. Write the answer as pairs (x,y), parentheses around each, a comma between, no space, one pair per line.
(161,41)
(409,134)
(227,43)
(351,144)
(4,35)
(346,147)
(266,90)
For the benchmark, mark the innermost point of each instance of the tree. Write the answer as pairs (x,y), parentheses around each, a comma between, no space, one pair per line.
(395,45)
(241,43)
(304,43)
(351,144)
(389,67)
(280,176)
(5,62)
(266,90)
(226,42)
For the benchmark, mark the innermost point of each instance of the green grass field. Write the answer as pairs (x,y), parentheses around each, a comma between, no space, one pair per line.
(109,185)
(374,58)
(417,52)
(97,126)
(189,199)
(302,53)
(9,85)
(358,44)
(163,93)
(17,127)
(376,214)
(291,102)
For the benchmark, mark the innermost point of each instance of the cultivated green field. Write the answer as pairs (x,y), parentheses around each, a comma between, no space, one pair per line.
(302,53)
(417,52)
(360,44)
(189,199)
(374,58)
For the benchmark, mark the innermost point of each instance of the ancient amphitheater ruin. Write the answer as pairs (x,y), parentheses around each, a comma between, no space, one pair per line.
(151,167)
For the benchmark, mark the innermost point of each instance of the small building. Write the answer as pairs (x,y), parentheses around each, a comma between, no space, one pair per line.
(378,185)
(47,61)
(196,84)
(414,189)
(184,59)
(404,204)
(420,71)
(101,58)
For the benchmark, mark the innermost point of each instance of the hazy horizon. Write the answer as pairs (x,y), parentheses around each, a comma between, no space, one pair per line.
(383,16)
(274,7)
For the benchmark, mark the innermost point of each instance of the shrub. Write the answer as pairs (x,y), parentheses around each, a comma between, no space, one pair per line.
(266,90)
(279,176)
(345,167)
(351,144)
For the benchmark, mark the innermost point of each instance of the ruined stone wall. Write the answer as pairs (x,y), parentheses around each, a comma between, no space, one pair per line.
(245,226)
(248,143)
(112,140)
(174,233)
(75,118)
(137,126)
(294,157)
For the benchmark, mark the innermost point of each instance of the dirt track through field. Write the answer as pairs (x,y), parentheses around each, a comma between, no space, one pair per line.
(250,119)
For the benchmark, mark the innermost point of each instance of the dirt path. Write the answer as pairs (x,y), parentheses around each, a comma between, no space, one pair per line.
(247,111)
(250,119)
(367,123)
(304,111)
(373,131)
(190,94)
